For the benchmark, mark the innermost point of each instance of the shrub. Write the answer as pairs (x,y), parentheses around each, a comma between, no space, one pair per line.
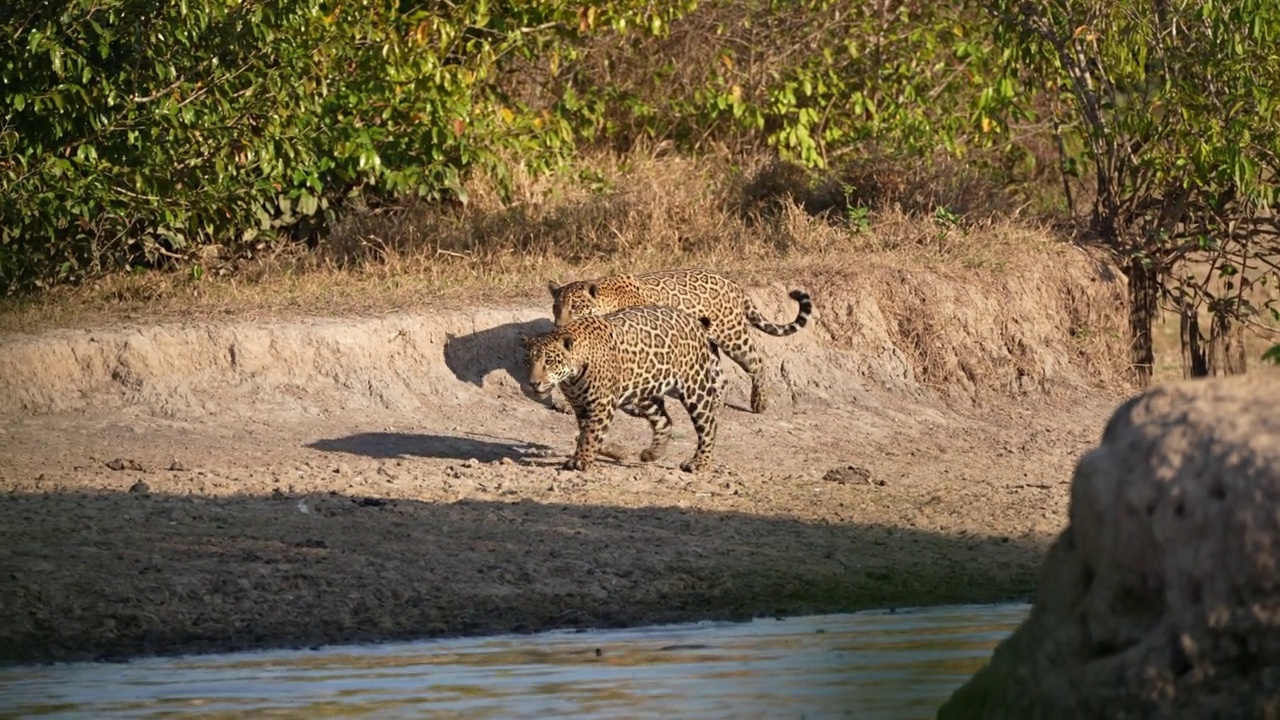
(136,130)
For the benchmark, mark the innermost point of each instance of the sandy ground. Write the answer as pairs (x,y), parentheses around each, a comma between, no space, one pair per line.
(208,487)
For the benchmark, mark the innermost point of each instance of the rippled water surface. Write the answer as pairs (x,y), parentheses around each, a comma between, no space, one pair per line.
(876,664)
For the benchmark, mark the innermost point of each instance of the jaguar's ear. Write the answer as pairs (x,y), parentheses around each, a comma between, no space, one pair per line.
(593,290)
(553,287)
(524,339)
(567,342)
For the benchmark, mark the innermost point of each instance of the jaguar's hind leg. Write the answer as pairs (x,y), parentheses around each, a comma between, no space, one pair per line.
(743,352)
(654,410)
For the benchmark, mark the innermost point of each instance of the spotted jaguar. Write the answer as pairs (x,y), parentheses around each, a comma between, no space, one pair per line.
(631,360)
(701,293)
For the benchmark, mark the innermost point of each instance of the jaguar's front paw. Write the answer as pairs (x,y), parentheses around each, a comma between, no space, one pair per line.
(576,463)
(694,466)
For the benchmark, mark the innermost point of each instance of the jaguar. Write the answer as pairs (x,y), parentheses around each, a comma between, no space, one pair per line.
(631,359)
(716,300)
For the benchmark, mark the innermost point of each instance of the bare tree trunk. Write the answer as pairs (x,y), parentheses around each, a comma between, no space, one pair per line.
(1144,297)
(1194,362)
(1226,346)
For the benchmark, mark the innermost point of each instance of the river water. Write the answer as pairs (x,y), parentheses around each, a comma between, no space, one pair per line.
(876,664)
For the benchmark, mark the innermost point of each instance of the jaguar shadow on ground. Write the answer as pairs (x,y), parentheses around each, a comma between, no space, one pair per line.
(474,357)
(392,445)
(112,575)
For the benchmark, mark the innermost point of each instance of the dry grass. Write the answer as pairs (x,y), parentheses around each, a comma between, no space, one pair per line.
(751,217)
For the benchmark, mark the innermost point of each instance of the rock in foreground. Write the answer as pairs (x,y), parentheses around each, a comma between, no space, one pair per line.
(1162,596)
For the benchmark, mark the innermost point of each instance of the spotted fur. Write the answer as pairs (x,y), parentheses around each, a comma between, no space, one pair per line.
(701,293)
(631,360)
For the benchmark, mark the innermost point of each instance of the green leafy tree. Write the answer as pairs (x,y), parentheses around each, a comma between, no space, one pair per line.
(132,131)
(814,80)
(1174,106)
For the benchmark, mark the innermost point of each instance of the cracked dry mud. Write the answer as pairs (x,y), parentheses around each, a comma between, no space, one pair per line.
(207,487)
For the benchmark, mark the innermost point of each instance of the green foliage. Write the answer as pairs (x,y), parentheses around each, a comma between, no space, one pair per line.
(1176,110)
(945,218)
(812,79)
(1176,105)
(132,131)
(1272,355)
(859,216)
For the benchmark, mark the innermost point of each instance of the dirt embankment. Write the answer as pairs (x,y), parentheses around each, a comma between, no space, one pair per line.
(222,485)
